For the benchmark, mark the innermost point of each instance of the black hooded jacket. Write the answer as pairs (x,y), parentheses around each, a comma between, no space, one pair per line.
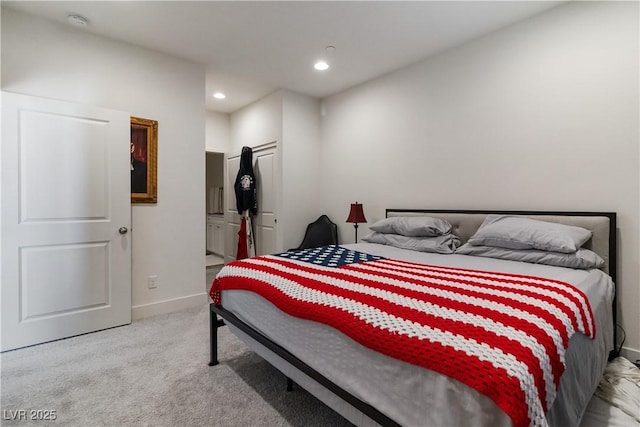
(245,185)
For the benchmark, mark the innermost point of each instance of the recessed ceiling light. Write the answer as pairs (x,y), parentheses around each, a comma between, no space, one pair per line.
(321,66)
(219,95)
(77,20)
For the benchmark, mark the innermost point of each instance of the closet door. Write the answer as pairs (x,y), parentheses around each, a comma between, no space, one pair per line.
(66,249)
(265,168)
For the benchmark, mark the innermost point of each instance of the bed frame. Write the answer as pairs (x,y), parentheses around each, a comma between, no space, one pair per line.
(465,223)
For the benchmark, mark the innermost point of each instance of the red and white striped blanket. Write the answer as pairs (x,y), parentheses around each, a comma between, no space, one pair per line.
(509,332)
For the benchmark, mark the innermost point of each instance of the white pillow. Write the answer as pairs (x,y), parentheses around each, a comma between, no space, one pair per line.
(525,233)
(412,226)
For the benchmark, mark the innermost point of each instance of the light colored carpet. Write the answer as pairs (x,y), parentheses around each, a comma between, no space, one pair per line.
(154,372)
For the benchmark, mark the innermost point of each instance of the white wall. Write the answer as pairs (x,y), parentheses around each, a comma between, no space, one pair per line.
(256,124)
(293,120)
(301,166)
(217,132)
(541,115)
(50,60)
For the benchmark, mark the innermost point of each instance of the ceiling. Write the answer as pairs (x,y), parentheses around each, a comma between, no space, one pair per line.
(251,49)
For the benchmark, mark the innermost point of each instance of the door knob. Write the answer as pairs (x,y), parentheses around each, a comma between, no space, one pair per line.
(123,230)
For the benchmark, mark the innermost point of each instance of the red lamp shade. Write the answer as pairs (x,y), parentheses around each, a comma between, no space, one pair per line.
(356,215)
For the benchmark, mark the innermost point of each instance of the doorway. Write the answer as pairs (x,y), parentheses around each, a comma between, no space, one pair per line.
(214,186)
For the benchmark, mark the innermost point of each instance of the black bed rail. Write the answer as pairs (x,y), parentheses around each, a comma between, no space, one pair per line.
(215,323)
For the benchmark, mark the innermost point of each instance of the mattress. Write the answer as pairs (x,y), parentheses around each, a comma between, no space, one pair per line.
(414,396)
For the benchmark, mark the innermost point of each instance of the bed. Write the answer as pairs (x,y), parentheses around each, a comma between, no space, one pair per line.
(377,387)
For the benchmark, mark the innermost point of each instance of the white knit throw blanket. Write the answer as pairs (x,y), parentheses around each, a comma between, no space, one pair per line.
(620,386)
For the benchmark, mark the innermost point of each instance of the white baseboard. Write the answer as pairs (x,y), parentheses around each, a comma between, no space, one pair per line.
(630,353)
(167,306)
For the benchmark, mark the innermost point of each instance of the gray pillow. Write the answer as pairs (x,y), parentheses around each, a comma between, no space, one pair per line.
(446,244)
(583,259)
(412,226)
(525,233)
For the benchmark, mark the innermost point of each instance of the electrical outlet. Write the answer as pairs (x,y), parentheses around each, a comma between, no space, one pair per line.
(152,282)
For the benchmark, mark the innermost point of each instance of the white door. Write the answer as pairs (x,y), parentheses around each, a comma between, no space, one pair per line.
(264,223)
(66,267)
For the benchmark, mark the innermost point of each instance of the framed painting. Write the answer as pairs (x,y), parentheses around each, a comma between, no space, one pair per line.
(144,160)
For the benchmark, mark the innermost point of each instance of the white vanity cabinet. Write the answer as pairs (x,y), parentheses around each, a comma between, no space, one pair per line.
(215,234)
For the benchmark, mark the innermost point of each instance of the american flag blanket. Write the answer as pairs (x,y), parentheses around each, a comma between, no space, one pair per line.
(505,335)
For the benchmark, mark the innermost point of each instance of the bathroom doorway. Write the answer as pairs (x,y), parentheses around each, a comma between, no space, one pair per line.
(215,250)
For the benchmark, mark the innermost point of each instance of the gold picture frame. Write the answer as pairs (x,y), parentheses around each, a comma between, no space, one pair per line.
(144,160)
